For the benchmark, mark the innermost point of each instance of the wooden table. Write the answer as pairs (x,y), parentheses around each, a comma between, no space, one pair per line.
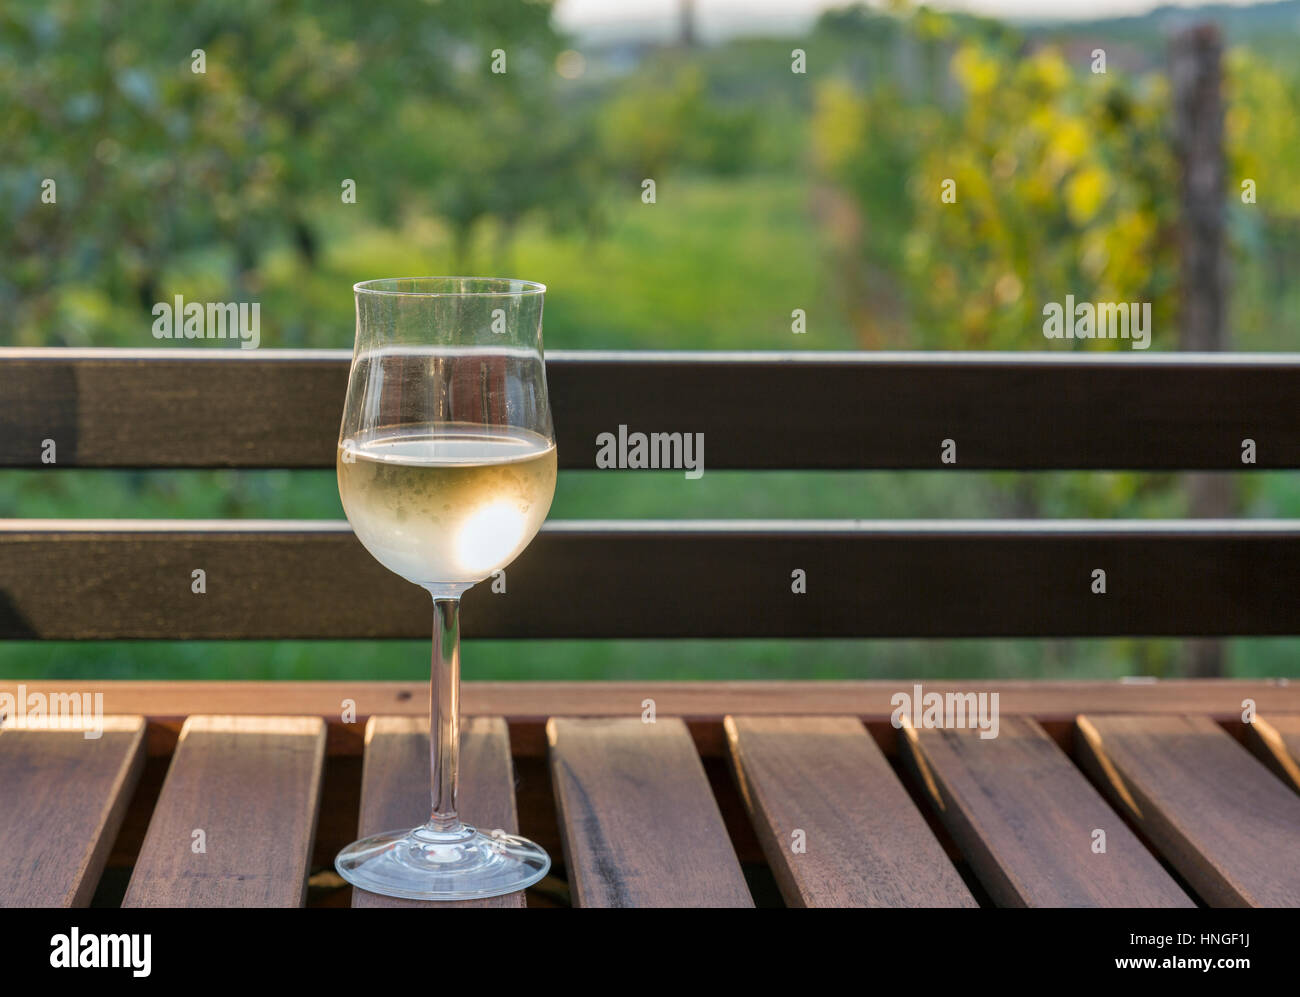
(1091,794)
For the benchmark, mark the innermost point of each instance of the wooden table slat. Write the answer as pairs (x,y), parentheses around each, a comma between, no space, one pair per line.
(62,799)
(1227,824)
(252,786)
(1025,818)
(863,842)
(395,789)
(637,816)
(1275,740)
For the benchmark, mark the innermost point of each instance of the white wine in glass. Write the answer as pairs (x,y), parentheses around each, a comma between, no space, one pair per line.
(447,503)
(446,468)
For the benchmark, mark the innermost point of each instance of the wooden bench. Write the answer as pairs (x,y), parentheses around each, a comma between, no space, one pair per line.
(1092,794)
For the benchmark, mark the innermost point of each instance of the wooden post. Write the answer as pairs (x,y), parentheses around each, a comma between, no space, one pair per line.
(686,23)
(1196,74)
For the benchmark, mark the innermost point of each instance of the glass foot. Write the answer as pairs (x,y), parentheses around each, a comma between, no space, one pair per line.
(425,864)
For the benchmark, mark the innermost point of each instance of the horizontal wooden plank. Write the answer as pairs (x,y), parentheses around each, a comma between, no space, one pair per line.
(1227,824)
(69,579)
(251,785)
(1275,739)
(836,825)
(640,825)
(62,799)
(281,408)
(169,703)
(1027,820)
(395,789)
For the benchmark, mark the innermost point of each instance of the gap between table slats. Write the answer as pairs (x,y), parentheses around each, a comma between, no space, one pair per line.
(1026,818)
(252,786)
(1276,742)
(1226,823)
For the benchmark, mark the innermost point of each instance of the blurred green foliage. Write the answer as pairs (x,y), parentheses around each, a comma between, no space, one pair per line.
(157,162)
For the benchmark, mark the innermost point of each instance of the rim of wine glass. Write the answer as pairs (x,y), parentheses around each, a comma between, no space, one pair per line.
(440,287)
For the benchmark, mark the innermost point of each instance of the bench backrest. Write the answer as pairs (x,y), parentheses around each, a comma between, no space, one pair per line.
(186,408)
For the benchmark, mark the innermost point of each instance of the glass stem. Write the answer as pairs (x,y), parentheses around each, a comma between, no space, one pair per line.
(444,715)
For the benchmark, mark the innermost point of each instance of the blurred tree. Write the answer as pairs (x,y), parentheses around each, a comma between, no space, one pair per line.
(1004,180)
(1057,184)
(152,159)
(667,117)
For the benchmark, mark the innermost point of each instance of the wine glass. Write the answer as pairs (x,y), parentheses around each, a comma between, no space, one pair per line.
(446,468)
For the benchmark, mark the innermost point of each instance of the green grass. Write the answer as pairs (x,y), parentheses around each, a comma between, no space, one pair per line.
(713,264)
(637,660)
(710,265)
